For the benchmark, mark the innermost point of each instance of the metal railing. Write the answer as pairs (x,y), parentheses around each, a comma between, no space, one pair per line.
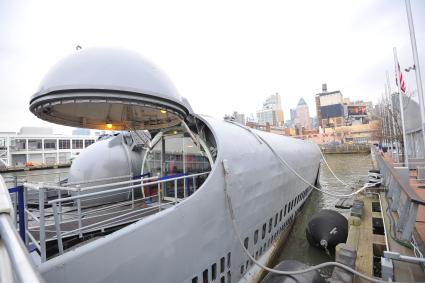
(76,210)
(15,263)
(404,200)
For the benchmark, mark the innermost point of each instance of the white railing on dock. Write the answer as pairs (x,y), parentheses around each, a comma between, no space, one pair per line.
(70,210)
(15,262)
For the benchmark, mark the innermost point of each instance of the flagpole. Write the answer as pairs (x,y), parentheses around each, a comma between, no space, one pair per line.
(394,141)
(406,159)
(417,68)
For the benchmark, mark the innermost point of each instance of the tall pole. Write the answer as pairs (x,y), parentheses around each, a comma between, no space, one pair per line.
(394,141)
(384,121)
(390,134)
(417,70)
(400,96)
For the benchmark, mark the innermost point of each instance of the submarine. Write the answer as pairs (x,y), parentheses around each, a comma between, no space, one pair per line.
(190,237)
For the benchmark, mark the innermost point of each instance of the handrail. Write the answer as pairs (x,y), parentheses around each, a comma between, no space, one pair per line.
(96,180)
(403,184)
(79,189)
(20,263)
(123,188)
(111,188)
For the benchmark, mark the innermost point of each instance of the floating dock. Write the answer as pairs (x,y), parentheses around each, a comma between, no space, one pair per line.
(386,221)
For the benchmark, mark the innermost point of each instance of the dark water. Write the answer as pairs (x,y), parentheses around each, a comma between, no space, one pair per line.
(35,176)
(350,168)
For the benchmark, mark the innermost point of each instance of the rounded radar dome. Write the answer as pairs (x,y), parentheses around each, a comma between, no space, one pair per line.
(108,89)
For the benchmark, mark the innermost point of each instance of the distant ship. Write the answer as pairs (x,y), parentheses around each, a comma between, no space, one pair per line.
(190,237)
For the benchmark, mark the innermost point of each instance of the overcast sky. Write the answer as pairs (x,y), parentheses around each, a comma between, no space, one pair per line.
(221,55)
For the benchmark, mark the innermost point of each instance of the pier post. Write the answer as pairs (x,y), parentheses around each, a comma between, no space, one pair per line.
(387,269)
(346,255)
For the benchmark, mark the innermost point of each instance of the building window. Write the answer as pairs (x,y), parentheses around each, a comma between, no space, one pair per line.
(280,215)
(205,276)
(77,144)
(88,142)
(195,279)
(228,259)
(284,211)
(242,269)
(263,234)
(270,224)
(255,237)
(34,144)
(229,277)
(49,144)
(64,144)
(222,265)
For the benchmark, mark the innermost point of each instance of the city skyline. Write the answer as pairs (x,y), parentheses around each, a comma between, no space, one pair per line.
(254,50)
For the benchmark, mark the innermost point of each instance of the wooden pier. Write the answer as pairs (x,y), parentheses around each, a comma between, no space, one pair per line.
(367,239)
(385,224)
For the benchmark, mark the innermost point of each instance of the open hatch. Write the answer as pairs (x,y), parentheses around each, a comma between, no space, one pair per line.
(120,90)
(109,89)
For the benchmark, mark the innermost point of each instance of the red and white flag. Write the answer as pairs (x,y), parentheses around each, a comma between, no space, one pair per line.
(401,80)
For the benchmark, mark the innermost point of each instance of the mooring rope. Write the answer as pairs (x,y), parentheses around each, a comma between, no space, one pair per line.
(332,172)
(281,272)
(286,164)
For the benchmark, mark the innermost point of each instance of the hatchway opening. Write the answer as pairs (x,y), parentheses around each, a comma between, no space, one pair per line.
(376,207)
(176,162)
(378,253)
(378,226)
(179,152)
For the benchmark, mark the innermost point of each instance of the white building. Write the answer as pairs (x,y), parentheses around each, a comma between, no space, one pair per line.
(237,117)
(40,146)
(272,112)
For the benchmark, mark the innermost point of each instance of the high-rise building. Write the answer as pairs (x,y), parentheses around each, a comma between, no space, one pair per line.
(329,105)
(302,115)
(273,102)
(272,112)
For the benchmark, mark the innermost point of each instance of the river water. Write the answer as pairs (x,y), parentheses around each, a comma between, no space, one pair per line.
(351,168)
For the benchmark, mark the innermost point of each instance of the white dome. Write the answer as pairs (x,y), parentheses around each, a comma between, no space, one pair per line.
(98,86)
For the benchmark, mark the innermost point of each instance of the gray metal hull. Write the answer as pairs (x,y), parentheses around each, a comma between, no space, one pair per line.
(186,240)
